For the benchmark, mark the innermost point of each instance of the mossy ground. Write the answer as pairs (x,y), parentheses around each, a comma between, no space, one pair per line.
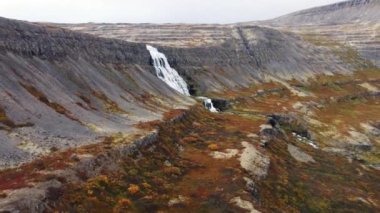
(179,165)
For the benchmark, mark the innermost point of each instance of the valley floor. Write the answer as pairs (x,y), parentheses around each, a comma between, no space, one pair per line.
(280,147)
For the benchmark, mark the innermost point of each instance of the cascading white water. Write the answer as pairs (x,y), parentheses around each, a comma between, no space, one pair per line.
(207,102)
(167,74)
(171,77)
(209,105)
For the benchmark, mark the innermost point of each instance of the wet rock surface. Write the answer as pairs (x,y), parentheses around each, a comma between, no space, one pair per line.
(220,104)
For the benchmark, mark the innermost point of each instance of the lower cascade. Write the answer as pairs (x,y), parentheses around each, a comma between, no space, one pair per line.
(207,103)
(167,74)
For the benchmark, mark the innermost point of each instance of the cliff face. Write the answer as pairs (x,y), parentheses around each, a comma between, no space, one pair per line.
(217,57)
(252,54)
(62,89)
(351,23)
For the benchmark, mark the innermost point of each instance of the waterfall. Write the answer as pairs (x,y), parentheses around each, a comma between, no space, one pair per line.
(167,74)
(207,103)
(171,77)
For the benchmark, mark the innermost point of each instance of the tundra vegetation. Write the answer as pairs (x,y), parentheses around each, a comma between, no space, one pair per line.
(195,162)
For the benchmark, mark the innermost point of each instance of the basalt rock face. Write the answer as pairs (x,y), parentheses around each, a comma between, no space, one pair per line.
(243,47)
(55,43)
(353,23)
(217,57)
(252,54)
(62,89)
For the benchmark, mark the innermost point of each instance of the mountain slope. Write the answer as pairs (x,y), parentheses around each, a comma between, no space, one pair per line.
(214,57)
(353,23)
(353,11)
(276,145)
(62,89)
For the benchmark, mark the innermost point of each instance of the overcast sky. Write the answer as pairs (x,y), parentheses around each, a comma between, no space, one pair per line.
(153,11)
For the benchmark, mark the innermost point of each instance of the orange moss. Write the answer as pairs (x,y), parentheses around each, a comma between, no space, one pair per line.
(172,170)
(150,125)
(12,180)
(172,114)
(122,204)
(133,189)
(5,120)
(190,139)
(146,185)
(27,173)
(213,146)
(209,183)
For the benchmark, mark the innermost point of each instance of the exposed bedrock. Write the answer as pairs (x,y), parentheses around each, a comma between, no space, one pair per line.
(244,54)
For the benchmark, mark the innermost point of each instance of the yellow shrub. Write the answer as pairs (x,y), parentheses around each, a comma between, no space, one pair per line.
(213,146)
(133,189)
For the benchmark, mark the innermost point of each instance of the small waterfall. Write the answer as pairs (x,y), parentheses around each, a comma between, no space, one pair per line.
(207,103)
(167,74)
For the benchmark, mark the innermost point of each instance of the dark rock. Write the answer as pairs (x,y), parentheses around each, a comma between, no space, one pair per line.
(220,104)
(289,122)
(54,193)
(269,132)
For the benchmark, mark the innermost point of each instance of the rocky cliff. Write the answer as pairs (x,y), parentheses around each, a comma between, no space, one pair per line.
(351,23)
(217,57)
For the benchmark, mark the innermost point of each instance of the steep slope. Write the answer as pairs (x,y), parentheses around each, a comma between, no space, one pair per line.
(353,23)
(62,89)
(215,57)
